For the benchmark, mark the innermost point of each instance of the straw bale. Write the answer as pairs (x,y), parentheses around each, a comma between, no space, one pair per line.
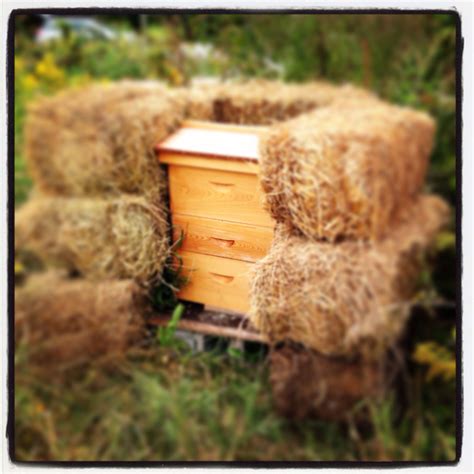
(346,170)
(200,98)
(346,298)
(100,139)
(64,323)
(89,99)
(307,384)
(125,237)
(263,102)
(134,129)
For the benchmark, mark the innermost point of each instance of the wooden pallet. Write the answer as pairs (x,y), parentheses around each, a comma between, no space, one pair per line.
(212,323)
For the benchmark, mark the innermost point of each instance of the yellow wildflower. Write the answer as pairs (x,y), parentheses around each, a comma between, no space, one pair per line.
(445,240)
(30,82)
(175,76)
(81,80)
(19,64)
(19,268)
(441,363)
(49,70)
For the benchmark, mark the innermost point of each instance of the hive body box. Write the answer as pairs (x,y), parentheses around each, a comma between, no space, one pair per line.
(215,199)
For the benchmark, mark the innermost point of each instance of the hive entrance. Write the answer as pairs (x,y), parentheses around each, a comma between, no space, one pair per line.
(216,201)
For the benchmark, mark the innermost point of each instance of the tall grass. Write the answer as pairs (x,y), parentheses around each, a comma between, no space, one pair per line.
(167,404)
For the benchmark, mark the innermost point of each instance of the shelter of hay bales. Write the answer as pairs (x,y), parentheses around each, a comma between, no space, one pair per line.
(336,162)
(342,173)
(100,139)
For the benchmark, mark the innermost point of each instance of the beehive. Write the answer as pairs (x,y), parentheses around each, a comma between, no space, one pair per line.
(216,201)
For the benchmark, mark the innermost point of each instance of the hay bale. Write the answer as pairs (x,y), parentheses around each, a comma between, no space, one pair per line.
(345,171)
(89,99)
(263,102)
(353,297)
(125,237)
(101,139)
(307,384)
(200,98)
(64,323)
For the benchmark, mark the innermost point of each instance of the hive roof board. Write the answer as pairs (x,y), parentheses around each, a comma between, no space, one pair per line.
(214,140)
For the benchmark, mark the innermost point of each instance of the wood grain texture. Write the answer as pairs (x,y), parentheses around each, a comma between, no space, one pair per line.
(222,238)
(216,194)
(210,329)
(193,160)
(216,281)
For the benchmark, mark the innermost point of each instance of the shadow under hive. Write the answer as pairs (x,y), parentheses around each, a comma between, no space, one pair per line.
(216,201)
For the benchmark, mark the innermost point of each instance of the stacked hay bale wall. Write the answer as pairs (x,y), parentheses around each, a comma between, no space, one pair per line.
(64,323)
(125,237)
(99,142)
(347,298)
(99,206)
(101,139)
(264,102)
(342,172)
(346,171)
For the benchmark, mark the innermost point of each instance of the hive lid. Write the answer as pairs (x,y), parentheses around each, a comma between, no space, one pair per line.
(209,139)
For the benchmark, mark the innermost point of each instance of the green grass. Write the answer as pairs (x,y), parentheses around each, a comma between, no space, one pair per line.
(166,404)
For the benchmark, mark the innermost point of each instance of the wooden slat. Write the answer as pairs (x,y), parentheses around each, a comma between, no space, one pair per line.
(192,160)
(217,194)
(210,329)
(222,238)
(216,281)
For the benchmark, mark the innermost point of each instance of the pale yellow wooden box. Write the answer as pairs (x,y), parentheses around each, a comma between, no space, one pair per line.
(215,199)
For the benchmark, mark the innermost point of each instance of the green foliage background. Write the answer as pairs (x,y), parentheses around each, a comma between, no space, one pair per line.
(181,407)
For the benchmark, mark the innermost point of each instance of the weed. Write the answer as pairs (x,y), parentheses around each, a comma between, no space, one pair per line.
(165,334)
(163,295)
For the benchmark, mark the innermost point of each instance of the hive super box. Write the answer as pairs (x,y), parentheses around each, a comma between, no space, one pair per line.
(215,199)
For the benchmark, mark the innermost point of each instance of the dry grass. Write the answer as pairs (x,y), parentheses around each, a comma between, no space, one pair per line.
(100,139)
(353,297)
(346,170)
(65,323)
(200,98)
(263,102)
(125,237)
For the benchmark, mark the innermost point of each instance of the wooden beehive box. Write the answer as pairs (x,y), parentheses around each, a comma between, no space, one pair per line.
(216,201)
